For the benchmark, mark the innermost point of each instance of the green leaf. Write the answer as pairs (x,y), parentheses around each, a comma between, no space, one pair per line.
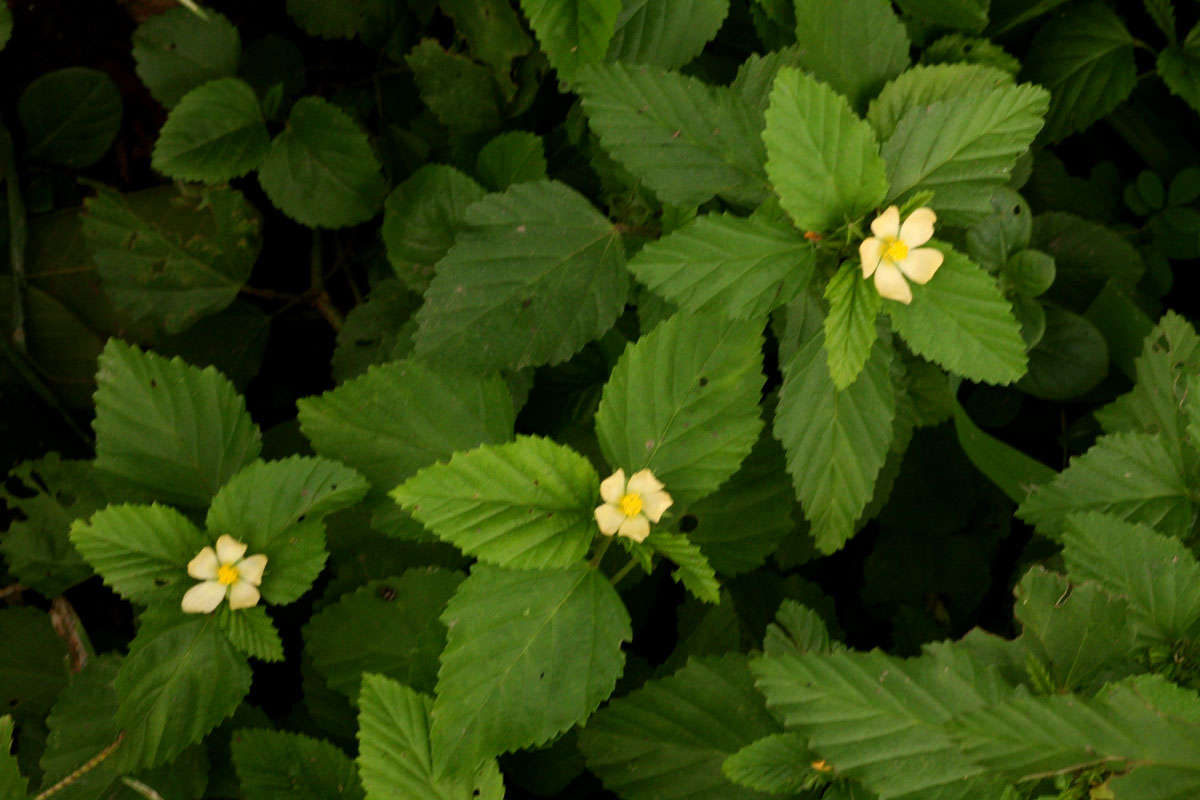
(683,403)
(215,133)
(737,267)
(172,258)
(33,665)
(1078,631)
(665,33)
(320,170)
(538,274)
(251,631)
(776,764)
(1131,476)
(376,331)
(962,147)
(836,441)
(460,92)
(1179,66)
(279,764)
(396,757)
(669,738)
(956,48)
(1015,473)
(1086,256)
(692,567)
(83,725)
(406,634)
(142,552)
(176,51)
(170,429)
(744,521)
(850,325)
(688,141)
(967,15)
(526,504)
(1157,574)
(879,719)
(36,546)
(961,321)
(1085,58)
(1070,358)
(422,216)
(572,32)
(832,45)
(445,412)
(796,630)
(492,30)
(512,157)
(70,116)
(529,654)
(174,687)
(12,784)
(822,159)
(926,84)
(342,20)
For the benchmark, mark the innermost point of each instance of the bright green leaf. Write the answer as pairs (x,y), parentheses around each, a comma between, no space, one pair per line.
(71,116)
(691,566)
(280,764)
(176,51)
(512,157)
(251,631)
(215,133)
(926,84)
(957,48)
(572,32)
(850,329)
(665,33)
(777,764)
(852,45)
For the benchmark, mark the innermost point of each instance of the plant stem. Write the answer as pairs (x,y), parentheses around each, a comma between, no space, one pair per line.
(86,768)
(321,299)
(623,571)
(141,788)
(600,551)
(18,237)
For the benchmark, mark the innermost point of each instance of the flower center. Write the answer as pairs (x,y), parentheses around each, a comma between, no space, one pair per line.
(895,251)
(631,504)
(227,574)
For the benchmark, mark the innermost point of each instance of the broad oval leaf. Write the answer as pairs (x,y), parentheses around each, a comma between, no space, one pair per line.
(572,32)
(929,83)
(284,764)
(850,329)
(852,45)
(512,157)
(1070,359)
(215,133)
(176,51)
(666,33)
(71,116)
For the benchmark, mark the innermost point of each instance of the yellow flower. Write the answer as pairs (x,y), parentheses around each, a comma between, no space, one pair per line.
(629,508)
(224,572)
(895,252)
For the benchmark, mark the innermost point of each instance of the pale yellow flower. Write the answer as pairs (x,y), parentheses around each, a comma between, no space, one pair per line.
(895,253)
(224,573)
(629,508)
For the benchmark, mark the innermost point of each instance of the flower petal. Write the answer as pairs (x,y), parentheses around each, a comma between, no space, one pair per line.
(918,228)
(870,252)
(242,595)
(609,518)
(251,569)
(891,284)
(644,483)
(654,504)
(636,528)
(203,598)
(921,264)
(204,566)
(887,224)
(229,549)
(612,487)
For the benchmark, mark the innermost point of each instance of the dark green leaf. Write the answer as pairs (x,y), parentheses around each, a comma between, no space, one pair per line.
(459,91)
(32,664)
(215,133)
(71,116)
(275,764)
(572,33)
(832,47)
(513,157)
(666,33)
(1070,359)
(176,51)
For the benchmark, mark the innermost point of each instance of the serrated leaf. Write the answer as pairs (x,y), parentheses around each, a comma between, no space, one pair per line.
(836,442)
(926,84)
(142,552)
(83,725)
(37,549)
(957,48)
(12,783)
(168,428)
(529,654)
(1085,58)
(879,719)
(251,631)
(777,764)
(512,157)
(736,267)
(962,147)
(396,757)
(33,667)
(460,92)
(850,328)
(444,412)
(70,116)
(320,170)
(669,738)
(492,30)
(527,504)
(572,32)
(376,331)
(960,319)
(683,403)
(691,566)
(175,686)
(215,133)
(968,15)
(830,39)
(797,629)
(1131,476)
(1163,14)
(822,160)
(1179,64)
(665,33)
(341,20)
(407,636)
(172,258)
(176,51)
(688,141)
(1157,574)
(280,764)
(538,274)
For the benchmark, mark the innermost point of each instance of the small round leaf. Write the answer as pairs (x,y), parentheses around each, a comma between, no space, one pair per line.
(215,133)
